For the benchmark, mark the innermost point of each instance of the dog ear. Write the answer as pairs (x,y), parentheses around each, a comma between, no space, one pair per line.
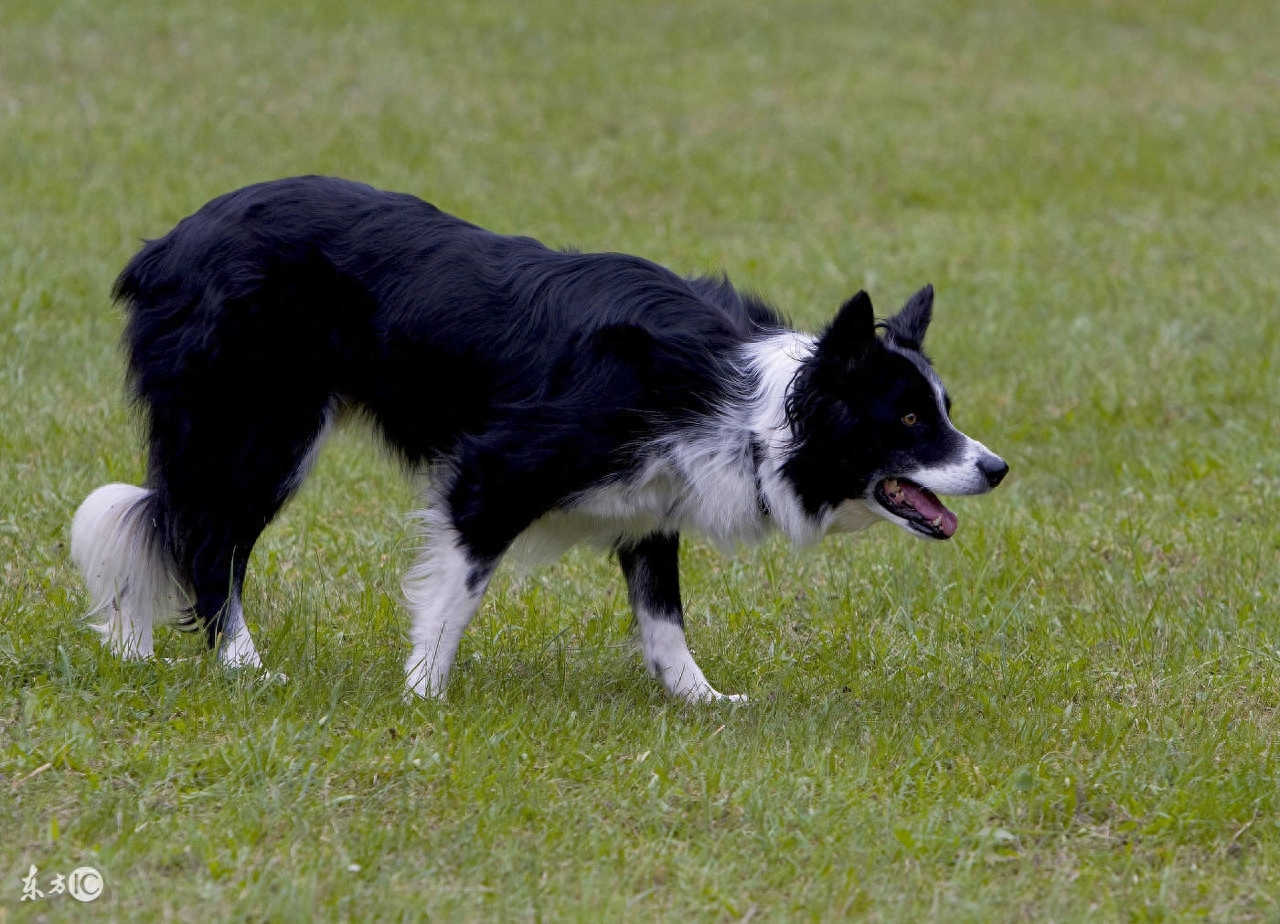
(852,334)
(909,325)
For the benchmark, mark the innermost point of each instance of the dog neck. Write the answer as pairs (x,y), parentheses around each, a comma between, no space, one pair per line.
(772,365)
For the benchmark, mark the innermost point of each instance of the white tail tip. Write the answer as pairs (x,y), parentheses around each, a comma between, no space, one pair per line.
(115,543)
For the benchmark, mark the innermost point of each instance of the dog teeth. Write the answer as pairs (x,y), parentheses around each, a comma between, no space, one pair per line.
(891,487)
(937,521)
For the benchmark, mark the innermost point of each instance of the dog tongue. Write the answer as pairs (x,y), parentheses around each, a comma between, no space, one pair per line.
(926,504)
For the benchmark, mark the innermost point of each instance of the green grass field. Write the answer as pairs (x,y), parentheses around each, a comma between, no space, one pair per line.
(1066,713)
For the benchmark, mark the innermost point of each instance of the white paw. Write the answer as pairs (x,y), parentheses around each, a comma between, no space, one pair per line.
(703,692)
(421,684)
(238,651)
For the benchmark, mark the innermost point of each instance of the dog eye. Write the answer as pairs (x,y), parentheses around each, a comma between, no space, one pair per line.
(909,420)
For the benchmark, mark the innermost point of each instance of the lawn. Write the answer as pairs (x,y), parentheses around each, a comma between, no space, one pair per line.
(1066,713)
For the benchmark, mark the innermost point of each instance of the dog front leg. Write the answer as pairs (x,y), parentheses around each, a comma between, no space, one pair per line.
(443,591)
(652,568)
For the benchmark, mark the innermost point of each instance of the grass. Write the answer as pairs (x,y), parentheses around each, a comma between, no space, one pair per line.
(1066,713)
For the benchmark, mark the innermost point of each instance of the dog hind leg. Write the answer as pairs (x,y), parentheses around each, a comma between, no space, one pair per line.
(222,479)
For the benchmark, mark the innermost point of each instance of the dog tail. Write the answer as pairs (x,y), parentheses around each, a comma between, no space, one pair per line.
(118,543)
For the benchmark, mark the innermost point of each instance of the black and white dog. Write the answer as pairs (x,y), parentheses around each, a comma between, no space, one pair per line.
(550,397)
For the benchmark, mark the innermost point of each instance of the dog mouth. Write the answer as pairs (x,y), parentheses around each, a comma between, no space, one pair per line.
(917,505)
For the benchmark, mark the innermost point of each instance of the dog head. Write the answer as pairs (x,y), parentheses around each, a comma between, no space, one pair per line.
(871,424)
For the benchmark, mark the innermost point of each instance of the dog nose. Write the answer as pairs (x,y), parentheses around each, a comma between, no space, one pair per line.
(993,469)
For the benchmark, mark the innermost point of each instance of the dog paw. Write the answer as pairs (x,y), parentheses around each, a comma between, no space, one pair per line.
(416,691)
(714,696)
(705,693)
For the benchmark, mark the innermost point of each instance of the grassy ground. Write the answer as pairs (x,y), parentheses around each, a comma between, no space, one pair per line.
(1066,713)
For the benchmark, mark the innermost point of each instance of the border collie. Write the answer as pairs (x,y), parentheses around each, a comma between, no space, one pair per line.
(549,397)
